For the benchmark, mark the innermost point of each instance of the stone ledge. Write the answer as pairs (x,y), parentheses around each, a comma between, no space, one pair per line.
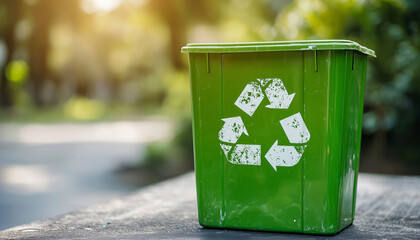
(387,207)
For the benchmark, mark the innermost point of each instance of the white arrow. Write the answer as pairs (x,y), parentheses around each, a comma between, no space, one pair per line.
(232,129)
(225,148)
(246,154)
(264,81)
(295,129)
(277,95)
(250,98)
(285,156)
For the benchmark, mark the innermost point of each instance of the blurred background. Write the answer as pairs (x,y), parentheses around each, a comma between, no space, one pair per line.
(94,94)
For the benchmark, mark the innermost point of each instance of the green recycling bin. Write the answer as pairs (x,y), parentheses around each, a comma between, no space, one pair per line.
(277,129)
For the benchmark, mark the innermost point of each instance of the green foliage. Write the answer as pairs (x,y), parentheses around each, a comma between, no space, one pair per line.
(84,109)
(179,150)
(392,29)
(17,72)
(177,100)
(157,154)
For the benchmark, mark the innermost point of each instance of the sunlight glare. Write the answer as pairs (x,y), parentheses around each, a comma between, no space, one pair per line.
(91,6)
(27,179)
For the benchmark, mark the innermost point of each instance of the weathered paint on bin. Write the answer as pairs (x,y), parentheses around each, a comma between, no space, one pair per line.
(312,194)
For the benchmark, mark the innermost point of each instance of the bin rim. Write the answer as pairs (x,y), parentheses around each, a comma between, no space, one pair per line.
(274,46)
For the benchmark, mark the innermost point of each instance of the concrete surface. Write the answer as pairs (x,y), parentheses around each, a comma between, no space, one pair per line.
(388,207)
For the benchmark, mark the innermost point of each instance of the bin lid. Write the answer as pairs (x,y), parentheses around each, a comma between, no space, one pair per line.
(276,46)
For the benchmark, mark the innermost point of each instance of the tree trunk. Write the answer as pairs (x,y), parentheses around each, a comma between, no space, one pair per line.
(14,10)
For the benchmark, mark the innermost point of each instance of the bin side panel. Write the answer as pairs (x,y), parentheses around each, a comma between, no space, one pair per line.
(324,98)
(352,135)
(362,75)
(206,108)
(342,71)
(260,196)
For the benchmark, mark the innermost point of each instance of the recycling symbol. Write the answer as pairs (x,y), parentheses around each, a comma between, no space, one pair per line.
(294,127)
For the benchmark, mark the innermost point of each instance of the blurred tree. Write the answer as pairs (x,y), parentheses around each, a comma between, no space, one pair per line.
(392,28)
(42,16)
(11,13)
(178,16)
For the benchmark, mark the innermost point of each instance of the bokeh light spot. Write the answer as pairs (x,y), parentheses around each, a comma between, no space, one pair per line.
(17,72)
(81,108)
